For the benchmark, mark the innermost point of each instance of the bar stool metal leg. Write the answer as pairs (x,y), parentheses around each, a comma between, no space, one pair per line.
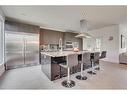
(81,77)
(92,71)
(98,67)
(68,83)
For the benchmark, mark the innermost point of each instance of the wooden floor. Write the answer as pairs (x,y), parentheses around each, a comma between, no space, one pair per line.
(111,76)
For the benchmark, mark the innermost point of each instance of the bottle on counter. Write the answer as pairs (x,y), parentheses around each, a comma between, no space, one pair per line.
(60,45)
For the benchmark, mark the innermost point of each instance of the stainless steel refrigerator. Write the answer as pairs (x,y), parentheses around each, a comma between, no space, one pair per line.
(21,49)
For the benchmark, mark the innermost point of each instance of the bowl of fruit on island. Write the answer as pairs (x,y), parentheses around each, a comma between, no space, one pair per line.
(76,49)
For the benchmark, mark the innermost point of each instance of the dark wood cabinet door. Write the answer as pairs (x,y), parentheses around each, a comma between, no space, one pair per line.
(55,71)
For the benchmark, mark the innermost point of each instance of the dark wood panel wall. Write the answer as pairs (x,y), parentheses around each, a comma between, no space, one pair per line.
(52,37)
(71,37)
(41,37)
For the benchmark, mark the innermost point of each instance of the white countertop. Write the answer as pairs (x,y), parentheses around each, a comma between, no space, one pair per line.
(64,53)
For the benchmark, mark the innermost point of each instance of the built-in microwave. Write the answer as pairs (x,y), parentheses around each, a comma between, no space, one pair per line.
(70,45)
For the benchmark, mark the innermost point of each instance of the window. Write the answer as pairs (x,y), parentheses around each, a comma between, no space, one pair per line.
(92,44)
(1,41)
(98,44)
(75,45)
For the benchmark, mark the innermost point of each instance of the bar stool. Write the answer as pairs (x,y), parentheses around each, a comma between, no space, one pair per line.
(94,58)
(86,58)
(72,60)
(103,55)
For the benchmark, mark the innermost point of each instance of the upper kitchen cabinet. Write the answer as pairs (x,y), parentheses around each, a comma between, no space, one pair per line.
(70,37)
(50,36)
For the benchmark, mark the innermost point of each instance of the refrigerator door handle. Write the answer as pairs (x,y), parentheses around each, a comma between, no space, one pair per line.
(24,49)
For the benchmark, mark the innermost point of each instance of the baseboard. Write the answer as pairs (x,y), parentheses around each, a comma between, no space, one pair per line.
(123,63)
(109,62)
(22,66)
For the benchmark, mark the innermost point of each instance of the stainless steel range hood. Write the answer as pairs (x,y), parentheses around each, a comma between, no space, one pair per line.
(83,33)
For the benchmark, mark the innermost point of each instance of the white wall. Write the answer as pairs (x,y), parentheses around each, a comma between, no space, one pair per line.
(2,68)
(112,47)
(122,31)
(1,13)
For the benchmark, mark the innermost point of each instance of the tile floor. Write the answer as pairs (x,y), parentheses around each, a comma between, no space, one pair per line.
(111,76)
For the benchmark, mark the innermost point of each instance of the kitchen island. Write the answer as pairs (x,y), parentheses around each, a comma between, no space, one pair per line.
(50,63)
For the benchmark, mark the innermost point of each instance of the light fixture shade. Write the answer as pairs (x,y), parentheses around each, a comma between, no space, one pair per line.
(83,33)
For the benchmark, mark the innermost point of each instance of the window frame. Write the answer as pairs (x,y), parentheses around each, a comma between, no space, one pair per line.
(2,39)
(98,44)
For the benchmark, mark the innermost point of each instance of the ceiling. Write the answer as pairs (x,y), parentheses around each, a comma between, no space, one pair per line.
(67,18)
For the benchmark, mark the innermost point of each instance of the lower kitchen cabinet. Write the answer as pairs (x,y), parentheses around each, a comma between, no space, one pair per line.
(52,69)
